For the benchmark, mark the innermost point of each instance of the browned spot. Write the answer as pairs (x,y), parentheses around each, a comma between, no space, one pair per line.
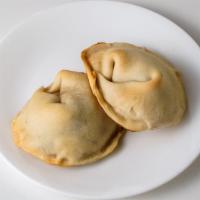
(53,155)
(63,160)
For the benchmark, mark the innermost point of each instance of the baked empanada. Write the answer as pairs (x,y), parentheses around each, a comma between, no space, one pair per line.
(136,87)
(63,124)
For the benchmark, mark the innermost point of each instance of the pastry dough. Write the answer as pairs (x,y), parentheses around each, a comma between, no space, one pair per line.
(136,87)
(63,124)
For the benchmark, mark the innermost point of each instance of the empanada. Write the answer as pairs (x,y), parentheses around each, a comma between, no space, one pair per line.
(63,124)
(136,87)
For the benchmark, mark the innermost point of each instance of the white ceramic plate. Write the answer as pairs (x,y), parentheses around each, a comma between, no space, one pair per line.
(31,55)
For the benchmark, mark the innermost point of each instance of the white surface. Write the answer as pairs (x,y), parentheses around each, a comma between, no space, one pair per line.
(51,41)
(184,187)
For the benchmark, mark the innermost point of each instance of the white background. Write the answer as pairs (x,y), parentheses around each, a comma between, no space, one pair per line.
(14,186)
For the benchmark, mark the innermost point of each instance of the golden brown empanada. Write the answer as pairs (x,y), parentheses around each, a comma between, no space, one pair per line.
(63,124)
(136,87)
